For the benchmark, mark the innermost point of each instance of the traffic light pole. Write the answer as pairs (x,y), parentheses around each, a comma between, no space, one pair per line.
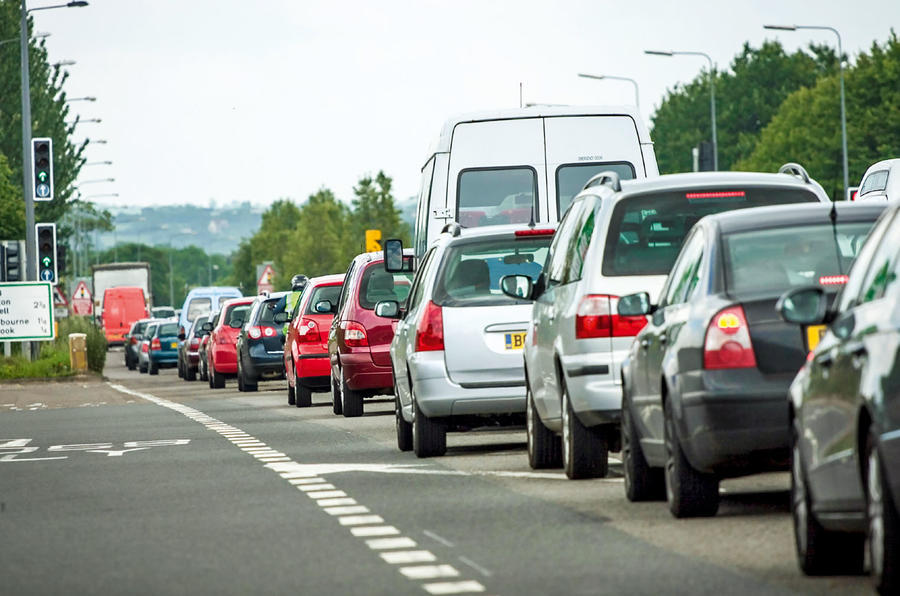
(27,166)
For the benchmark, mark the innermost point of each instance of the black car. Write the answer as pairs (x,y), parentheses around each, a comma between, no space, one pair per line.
(845,417)
(706,381)
(189,349)
(133,343)
(260,345)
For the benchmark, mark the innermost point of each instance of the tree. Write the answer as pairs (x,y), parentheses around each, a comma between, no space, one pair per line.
(319,243)
(374,208)
(12,208)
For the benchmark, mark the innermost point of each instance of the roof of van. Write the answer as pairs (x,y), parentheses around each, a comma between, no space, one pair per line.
(442,145)
(214,290)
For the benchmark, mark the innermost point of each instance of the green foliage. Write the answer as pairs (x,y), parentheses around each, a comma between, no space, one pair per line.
(374,208)
(12,208)
(53,362)
(96,340)
(318,245)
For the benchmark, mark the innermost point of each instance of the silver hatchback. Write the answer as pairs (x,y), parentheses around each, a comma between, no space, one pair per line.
(457,352)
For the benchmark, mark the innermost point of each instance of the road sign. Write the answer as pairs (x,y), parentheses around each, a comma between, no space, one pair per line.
(82,303)
(26,311)
(373,240)
(264,283)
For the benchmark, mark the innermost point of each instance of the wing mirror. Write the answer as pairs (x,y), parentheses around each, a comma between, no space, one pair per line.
(635,305)
(803,306)
(520,287)
(207,327)
(324,307)
(389,309)
(394,261)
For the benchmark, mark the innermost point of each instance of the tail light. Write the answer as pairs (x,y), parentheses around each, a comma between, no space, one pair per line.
(354,334)
(833,280)
(597,317)
(154,344)
(308,332)
(430,333)
(222,340)
(133,340)
(728,342)
(258,332)
(535,232)
(194,345)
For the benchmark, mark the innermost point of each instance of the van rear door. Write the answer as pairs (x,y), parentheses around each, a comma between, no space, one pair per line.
(578,147)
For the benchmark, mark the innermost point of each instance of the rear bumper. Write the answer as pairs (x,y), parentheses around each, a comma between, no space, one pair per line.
(312,365)
(595,392)
(364,375)
(263,363)
(224,359)
(438,396)
(168,357)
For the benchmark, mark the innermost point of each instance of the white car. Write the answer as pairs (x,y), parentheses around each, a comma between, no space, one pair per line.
(881,181)
(617,238)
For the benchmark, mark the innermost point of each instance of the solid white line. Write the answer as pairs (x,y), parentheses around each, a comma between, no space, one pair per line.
(296,481)
(434,536)
(309,487)
(358,520)
(454,587)
(374,531)
(346,510)
(388,543)
(403,557)
(429,571)
(327,494)
(476,566)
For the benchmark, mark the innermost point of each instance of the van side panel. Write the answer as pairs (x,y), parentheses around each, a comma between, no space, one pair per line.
(590,139)
(438,202)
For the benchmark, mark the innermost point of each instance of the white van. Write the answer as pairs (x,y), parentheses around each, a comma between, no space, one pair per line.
(495,167)
(881,181)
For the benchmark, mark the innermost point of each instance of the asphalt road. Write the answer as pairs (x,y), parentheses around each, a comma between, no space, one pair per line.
(152,485)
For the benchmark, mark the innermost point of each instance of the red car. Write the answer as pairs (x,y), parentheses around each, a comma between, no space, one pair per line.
(221,350)
(359,342)
(306,343)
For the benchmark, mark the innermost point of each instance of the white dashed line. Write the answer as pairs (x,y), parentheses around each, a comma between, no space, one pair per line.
(466,587)
(388,543)
(314,487)
(440,539)
(326,494)
(429,571)
(476,566)
(306,480)
(374,531)
(348,510)
(404,557)
(359,520)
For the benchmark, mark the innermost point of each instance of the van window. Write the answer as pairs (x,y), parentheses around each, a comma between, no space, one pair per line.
(646,231)
(224,299)
(377,285)
(422,209)
(571,178)
(875,182)
(197,307)
(493,196)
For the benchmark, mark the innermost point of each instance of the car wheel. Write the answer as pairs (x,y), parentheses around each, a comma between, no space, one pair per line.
(642,483)
(142,369)
(335,397)
(153,368)
(819,551)
(544,446)
(250,384)
(883,534)
(190,374)
(585,451)
(180,369)
(201,368)
(292,396)
(404,428)
(351,401)
(304,394)
(216,379)
(429,437)
(688,492)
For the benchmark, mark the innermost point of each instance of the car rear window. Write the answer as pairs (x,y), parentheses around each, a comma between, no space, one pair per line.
(197,307)
(266,314)
(168,329)
(470,273)
(782,258)
(224,299)
(138,328)
(646,231)
(571,178)
(329,293)
(495,196)
(377,285)
(151,330)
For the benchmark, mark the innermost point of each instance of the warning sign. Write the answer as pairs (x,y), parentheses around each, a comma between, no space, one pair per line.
(264,283)
(81,300)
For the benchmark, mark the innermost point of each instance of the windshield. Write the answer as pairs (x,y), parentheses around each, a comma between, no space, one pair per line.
(779,259)
(168,329)
(496,196)
(377,285)
(197,307)
(329,293)
(646,231)
(570,179)
(471,272)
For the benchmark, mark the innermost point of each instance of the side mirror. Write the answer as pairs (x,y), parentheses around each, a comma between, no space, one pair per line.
(324,307)
(520,287)
(393,257)
(803,306)
(635,305)
(389,309)
(207,327)
(281,318)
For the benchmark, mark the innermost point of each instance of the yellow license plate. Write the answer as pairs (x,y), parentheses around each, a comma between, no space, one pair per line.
(174,344)
(515,341)
(814,333)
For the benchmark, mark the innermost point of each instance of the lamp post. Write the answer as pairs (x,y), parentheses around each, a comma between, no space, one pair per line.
(98,163)
(184,232)
(637,100)
(98,180)
(89,98)
(98,141)
(78,121)
(62,63)
(12,39)
(841,74)
(712,95)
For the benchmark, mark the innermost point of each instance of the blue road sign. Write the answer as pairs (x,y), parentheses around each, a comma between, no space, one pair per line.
(47,275)
(42,190)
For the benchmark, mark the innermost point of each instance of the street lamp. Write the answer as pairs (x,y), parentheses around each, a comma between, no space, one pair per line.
(98,163)
(81,99)
(62,63)
(712,95)
(637,101)
(86,120)
(27,166)
(12,39)
(104,194)
(94,182)
(841,71)
(98,141)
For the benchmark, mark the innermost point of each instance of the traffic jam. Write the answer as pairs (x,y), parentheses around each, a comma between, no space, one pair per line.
(695,327)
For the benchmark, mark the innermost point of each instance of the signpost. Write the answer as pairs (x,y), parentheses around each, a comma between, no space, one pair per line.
(82,303)
(264,283)
(26,311)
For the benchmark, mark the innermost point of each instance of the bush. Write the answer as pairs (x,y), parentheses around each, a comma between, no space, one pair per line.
(53,362)
(96,341)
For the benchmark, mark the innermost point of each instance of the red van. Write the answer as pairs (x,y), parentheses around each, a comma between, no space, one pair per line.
(122,306)
(359,342)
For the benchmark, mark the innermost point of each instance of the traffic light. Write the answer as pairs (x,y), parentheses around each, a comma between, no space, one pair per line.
(10,261)
(46,251)
(42,158)
(373,240)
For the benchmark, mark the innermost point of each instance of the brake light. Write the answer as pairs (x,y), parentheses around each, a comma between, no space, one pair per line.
(535,232)
(430,332)
(728,342)
(308,332)
(194,345)
(354,334)
(723,194)
(145,348)
(597,317)
(257,332)
(833,280)
(154,344)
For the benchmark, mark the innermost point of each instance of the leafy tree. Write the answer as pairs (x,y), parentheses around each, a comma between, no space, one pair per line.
(12,208)
(319,244)
(374,207)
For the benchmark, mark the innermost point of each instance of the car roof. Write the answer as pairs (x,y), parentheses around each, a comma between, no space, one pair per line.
(240,300)
(326,280)
(690,180)
(368,257)
(794,214)
(214,290)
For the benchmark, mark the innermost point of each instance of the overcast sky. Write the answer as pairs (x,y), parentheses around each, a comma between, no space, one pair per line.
(255,100)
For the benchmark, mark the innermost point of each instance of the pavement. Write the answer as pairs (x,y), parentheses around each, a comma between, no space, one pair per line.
(153,485)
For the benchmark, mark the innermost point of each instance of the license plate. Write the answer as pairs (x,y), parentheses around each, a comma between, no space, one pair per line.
(814,333)
(174,345)
(515,341)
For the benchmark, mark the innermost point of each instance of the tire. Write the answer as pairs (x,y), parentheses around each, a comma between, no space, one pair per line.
(429,438)
(351,401)
(153,368)
(131,364)
(216,379)
(689,493)
(819,551)
(201,369)
(585,451)
(544,445)
(404,428)
(180,369)
(292,396)
(249,386)
(142,369)
(303,394)
(642,483)
(883,523)
(190,374)
(336,397)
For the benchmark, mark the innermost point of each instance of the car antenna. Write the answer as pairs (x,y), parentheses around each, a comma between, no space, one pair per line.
(531,223)
(832,215)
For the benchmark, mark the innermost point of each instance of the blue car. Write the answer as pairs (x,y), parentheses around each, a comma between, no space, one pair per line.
(163,347)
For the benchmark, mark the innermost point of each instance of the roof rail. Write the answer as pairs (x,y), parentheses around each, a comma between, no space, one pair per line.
(452,228)
(607,178)
(795,169)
